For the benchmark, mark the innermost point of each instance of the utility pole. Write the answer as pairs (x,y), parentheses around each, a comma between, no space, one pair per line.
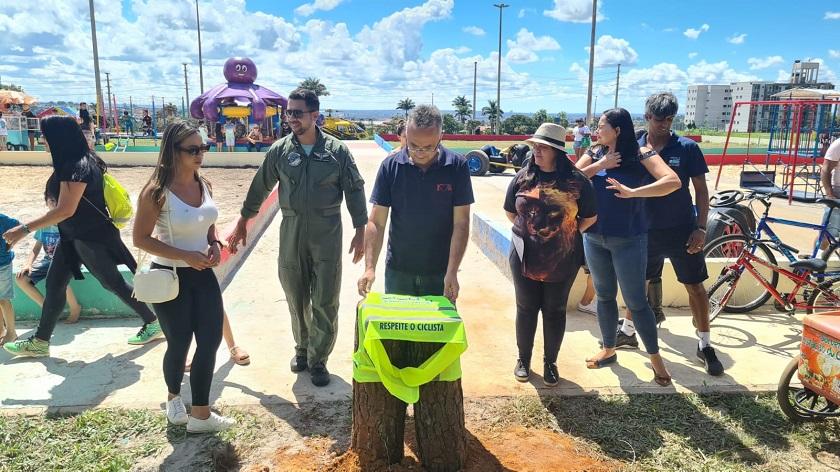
(110,110)
(200,66)
(100,109)
(186,85)
(591,63)
(617,77)
(433,99)
(475,76)
(183,108)
(501,7)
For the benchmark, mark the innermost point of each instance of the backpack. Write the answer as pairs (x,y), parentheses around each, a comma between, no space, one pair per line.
(117,201)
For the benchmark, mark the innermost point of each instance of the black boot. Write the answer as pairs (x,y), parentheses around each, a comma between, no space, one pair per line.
(299,363)
(654,296)
(522,371)
(550,375)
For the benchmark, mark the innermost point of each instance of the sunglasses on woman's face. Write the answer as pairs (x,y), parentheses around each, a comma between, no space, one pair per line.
(195,150)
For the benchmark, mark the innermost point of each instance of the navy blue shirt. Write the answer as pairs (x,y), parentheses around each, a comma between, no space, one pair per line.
(623,217)
(676,209)
(421,208)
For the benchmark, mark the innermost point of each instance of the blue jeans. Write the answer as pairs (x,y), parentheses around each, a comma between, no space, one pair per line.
(404,283)
(614,259)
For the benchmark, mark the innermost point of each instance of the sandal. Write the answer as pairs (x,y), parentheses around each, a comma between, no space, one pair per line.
(661,380)
(241,359)
(598,363)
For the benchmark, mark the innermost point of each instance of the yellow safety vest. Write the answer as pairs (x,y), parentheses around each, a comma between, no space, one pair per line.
(405,318)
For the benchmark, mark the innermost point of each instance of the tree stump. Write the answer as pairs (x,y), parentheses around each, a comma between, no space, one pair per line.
(379,417)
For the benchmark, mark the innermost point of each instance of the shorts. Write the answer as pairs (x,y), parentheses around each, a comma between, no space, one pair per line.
(39,271)
(670,243)
(3,142)
(7,276)
(576,144)
(833,226)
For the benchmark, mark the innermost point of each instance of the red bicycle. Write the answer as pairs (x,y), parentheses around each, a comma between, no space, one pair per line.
(748,277)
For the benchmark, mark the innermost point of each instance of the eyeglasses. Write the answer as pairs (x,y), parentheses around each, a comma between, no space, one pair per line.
(297,113)
(195,150)
(421,150)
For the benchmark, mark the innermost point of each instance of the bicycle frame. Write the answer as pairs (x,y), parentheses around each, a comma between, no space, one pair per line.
(763,229)
(746,260)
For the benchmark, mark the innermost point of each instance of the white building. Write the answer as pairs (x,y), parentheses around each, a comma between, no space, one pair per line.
(709,106)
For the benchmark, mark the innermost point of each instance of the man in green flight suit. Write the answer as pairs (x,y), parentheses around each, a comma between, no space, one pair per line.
(312,170)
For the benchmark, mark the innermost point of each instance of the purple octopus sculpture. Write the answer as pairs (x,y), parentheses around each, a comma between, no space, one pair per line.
(240,90)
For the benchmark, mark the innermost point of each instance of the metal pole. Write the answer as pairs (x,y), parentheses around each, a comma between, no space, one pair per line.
(186,85)
(617,77)
(475,77)
(500,6)
(110,110)
(433,99)
(200,64)
(99,107)
(591,63)
(183,108)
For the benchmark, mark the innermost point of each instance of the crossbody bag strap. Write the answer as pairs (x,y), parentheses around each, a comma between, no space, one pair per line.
(107,217)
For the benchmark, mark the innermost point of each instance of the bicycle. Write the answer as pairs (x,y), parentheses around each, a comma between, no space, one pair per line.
(730,198)
(740,253)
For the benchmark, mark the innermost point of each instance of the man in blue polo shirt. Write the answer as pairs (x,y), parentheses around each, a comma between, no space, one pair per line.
(428,189)
(676,230)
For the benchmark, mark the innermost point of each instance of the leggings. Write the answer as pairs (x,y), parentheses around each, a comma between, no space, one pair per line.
(197,310)
(102,265)
(533,296)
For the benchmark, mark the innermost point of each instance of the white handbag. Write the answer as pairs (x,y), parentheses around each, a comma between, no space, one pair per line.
(157,285)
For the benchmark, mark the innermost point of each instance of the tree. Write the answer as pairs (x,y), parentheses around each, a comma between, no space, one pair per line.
(540,117)
(12,87)
(493,114)
(519,124)
(563,119)
(406,104)
(463,108)
(471,125)
(450,124)
(314,84)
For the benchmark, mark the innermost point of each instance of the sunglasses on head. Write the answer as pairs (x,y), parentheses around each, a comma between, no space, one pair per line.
(296,114)
(195,150)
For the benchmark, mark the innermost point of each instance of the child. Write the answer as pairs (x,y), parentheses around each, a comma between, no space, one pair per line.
(32,273)
(6,289)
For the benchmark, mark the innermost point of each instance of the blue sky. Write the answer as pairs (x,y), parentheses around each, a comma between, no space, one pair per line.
(371,53)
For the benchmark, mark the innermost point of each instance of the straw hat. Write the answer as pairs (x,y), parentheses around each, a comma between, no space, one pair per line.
(549,134)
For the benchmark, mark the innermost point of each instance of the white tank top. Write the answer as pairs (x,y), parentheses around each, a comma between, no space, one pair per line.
(188,225)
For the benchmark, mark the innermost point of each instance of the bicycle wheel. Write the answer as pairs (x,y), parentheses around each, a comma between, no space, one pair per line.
(832,257)
(826,298)
(798,402)
(747,293)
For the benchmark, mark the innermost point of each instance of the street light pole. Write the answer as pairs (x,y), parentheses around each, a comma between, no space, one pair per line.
(200,66)
(186,85)
(500,6)
(591,63)
(617,77)
(99,108)
(475,76)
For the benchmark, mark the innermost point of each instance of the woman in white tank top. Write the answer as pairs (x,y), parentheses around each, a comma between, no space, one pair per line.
(175,223)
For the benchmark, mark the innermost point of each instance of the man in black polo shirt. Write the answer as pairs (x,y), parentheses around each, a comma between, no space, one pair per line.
(676,230)
(429,190)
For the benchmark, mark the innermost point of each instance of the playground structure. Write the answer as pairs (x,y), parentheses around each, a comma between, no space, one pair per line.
(240,97)
(340,127)
(798,133)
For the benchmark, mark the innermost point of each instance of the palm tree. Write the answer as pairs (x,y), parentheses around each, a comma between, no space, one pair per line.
(405,104)
(463,107)
(493,114)
(314,84)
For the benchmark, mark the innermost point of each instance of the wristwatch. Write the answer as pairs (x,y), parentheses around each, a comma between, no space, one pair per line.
(26,228)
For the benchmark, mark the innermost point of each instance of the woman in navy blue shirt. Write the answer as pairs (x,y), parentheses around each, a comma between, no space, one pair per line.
(616,245)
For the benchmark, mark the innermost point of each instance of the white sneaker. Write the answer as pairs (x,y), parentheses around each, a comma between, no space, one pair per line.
(214,423)
(591,308)
(176,413)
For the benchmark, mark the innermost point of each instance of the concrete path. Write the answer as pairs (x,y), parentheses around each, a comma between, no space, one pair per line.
(92,366)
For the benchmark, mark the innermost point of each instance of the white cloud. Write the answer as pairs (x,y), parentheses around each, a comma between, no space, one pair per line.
(473,30)
(782,75)
(737,38)
(835,54)
(669,30)
(462,50)
(574,11)
(692,33)
(610,51)
(692,55)
(832,15)
(717,72)
(525,11)
(526,45)
(307,9)
(757,63)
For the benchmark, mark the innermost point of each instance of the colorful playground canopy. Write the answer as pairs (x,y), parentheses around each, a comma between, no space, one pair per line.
(57,111)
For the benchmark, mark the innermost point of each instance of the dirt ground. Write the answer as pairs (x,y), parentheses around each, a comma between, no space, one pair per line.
(22,194)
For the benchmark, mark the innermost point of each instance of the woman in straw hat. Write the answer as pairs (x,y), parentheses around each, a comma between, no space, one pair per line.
(549,203)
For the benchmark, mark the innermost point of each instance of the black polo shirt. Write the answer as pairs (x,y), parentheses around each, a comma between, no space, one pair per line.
(421,206)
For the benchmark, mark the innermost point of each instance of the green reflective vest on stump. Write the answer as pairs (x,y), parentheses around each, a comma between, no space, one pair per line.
(405,318)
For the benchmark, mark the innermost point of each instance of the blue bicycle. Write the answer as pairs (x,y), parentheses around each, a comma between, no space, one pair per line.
(759,242)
